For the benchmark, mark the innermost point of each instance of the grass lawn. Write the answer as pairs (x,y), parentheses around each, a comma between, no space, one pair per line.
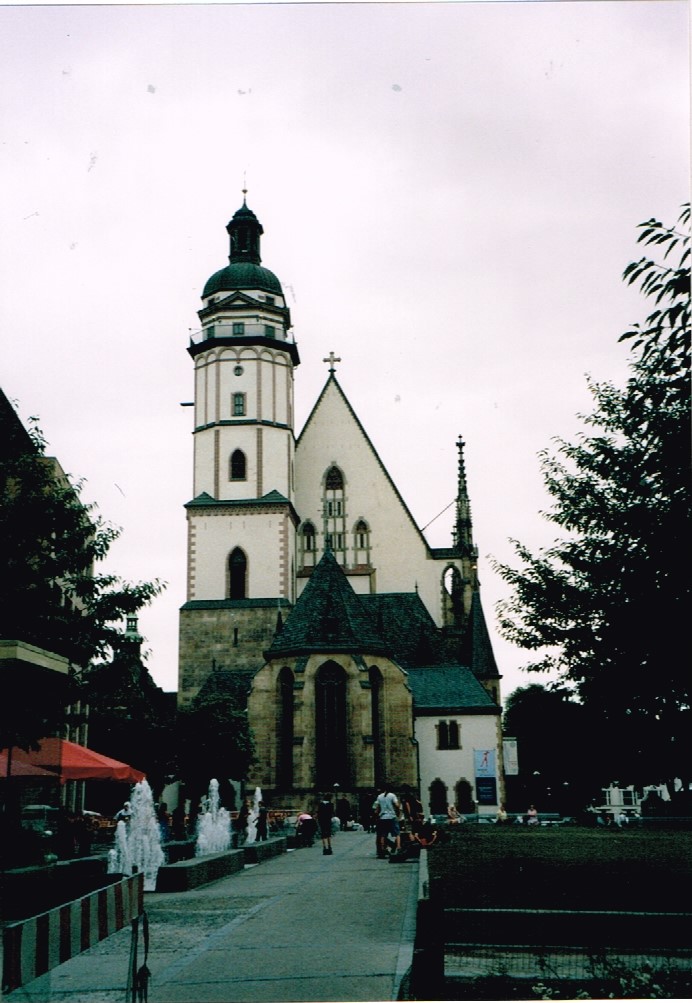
(564,868)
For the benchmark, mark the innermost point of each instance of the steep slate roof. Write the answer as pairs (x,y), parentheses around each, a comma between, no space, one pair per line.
(328,616)
(407,628)
(478,650)
(228,682)
(439,689)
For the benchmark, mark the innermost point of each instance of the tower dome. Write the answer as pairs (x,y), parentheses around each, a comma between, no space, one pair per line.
(244,270)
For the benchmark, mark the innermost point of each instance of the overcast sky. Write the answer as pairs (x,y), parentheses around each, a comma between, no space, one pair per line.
(449,192)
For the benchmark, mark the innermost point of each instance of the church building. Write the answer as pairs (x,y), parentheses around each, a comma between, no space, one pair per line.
(363,651)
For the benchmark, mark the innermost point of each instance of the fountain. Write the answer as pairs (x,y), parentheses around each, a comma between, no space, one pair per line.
(138,841)
(213,825)
(252,817)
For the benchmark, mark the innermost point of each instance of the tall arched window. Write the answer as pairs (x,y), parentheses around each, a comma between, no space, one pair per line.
(331,726)
(438,797)
(309,544)
(285,730)
(377,724)
(453,598)
(237,574)
(361,542)
(237,466)
(335,513)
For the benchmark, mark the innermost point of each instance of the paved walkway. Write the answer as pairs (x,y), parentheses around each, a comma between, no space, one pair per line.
(298,927)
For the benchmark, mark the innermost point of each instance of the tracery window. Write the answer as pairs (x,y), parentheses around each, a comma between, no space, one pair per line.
(334,513)
(361,542)
(308,541)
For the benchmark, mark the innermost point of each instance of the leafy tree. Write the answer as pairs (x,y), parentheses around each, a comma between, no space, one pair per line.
(558,765)
(214,737)
(605,606)
(130,717)
(50,593)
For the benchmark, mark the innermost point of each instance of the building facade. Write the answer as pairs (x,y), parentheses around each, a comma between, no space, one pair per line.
(308,576)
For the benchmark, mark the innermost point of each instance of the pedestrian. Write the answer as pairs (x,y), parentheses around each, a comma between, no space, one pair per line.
(325,813)
(532,815)
(386,808)
(262,816)
(343,811)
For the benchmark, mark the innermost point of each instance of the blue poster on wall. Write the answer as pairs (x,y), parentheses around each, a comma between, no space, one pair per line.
(486,790)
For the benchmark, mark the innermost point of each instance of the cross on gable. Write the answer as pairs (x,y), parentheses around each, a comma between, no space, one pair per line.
(331,359)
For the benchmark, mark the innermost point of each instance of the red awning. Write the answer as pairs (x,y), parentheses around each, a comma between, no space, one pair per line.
(75,762)
(17,765)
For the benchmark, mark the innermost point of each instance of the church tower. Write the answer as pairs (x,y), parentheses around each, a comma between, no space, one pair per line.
(241,519)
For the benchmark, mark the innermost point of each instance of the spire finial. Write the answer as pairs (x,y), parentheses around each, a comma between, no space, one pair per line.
(244,187)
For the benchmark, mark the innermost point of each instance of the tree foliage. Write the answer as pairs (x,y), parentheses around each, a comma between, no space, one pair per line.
(605,606)
(50,592)
(215,740)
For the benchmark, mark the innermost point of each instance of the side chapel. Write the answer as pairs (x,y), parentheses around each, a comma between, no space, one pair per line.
(364,652)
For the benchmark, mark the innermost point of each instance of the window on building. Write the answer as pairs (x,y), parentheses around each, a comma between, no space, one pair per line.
(269,331)
(334,509)
(238,465)
(308,537)
(361,542)
(238,327)
(238,405)
(237,574)
(447,734)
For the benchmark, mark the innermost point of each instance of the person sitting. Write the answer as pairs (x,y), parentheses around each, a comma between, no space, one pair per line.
(532,815)
(453,814)
(426,835)
(502,817)
(305,829)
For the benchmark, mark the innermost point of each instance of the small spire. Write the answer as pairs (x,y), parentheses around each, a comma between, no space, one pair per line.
(462,529)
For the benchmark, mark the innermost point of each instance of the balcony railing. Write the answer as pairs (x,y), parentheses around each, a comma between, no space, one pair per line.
(249,330)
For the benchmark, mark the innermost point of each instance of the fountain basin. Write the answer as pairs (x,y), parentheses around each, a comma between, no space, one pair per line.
(184,875)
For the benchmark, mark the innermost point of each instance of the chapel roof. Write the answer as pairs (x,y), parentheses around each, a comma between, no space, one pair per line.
(448,689)
(328,616)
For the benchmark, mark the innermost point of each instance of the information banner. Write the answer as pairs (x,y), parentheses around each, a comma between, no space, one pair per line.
(510,756)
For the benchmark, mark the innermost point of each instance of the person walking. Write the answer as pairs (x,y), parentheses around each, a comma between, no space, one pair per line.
(325,813)
(386,808)
(262,816)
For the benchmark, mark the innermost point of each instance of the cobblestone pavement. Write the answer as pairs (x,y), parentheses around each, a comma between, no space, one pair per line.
(300,926)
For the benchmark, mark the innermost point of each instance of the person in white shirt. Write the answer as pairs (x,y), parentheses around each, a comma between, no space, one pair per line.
(386,807)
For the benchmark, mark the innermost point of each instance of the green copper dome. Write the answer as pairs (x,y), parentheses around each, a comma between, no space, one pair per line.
(245,270)
(242,275)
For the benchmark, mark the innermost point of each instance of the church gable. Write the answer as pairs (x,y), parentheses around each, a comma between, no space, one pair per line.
(367,524)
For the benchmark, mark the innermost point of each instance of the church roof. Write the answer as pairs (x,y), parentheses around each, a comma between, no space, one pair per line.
(407,628)
(478,646)
(328,616)
(447,689)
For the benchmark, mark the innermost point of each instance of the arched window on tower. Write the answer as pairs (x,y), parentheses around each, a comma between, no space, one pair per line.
(361,543)
(238,466)
(334,513)
(237,574)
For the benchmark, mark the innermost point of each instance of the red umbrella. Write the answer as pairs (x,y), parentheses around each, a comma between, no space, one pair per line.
(75,762)
(17,765)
